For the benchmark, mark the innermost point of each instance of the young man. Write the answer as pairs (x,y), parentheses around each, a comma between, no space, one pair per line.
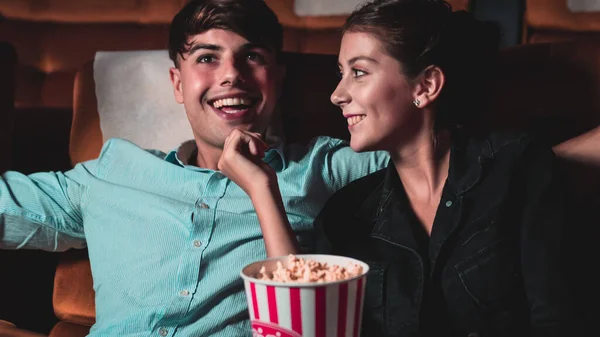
(167,234)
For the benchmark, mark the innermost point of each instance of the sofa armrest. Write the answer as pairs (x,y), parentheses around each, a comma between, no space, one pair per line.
(7,329)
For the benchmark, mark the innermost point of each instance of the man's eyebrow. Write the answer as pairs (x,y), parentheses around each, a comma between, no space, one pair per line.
(252,45)
(197,46)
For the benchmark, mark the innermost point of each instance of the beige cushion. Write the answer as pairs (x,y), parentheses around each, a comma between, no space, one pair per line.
(135,99)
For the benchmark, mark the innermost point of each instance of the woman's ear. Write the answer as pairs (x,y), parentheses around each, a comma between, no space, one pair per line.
(428,86)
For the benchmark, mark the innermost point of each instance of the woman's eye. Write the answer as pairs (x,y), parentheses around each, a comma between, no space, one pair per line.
(358,73)
(205,59)
(339,74)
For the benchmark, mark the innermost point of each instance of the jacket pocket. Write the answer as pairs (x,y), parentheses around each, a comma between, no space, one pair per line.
(373,312)
(490,275)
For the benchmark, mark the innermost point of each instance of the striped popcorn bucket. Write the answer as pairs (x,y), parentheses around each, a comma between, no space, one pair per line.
(293,309)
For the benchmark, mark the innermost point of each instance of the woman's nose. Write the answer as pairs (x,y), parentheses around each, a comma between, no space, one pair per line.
(340,95)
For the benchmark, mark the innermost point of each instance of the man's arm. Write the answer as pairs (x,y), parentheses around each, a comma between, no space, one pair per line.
(241,161)
(342,165)
(584,149)
(42,210)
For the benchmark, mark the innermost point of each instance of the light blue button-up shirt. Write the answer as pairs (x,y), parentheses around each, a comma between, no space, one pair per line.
(167,240)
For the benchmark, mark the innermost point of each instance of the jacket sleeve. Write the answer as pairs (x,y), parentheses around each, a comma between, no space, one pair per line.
(543,245)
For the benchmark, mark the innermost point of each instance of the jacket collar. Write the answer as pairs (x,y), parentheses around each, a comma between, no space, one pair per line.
(468,159)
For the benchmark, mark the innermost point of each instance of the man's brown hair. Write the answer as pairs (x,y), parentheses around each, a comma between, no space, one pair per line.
(251,19)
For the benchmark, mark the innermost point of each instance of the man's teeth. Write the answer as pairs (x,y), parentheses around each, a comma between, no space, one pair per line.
(355,119)
(230,102)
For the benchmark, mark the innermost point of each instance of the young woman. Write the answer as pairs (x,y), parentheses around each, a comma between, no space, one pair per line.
(463,234)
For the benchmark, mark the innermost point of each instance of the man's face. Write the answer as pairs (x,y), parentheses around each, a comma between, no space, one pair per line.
(226,82)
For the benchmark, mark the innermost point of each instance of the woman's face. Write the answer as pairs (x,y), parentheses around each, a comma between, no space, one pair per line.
(375,96)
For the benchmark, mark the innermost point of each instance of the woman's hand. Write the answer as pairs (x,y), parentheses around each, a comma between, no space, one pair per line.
(241,161)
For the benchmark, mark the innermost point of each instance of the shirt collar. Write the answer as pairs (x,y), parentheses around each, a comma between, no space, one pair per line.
(183,154)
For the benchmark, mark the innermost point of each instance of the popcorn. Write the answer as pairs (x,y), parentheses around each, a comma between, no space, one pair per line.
(308,271)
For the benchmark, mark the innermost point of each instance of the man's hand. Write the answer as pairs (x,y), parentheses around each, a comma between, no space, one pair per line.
(241,162)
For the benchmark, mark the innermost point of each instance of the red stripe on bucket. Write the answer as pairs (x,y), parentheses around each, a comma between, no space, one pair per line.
(254,300)
(272,299)
(359,288)
(320,312)
(296,310)
(342,307)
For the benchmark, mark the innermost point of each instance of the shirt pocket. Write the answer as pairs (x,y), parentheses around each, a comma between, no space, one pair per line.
(490,275)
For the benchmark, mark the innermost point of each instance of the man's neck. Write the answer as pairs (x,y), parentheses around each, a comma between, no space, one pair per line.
(206,157)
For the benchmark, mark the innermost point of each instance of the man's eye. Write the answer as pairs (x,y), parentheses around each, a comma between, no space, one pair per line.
(358,73)
(205,59)
(252,56)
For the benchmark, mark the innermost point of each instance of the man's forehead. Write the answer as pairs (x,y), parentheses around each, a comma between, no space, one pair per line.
(223,37)
(218,37)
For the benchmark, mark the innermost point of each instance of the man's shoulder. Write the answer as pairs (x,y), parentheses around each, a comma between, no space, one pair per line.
(327,144)
(318,143)
(357,191)
(118,147)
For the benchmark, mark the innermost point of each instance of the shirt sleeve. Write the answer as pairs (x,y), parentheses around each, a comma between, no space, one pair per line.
(43,210)
(343,165)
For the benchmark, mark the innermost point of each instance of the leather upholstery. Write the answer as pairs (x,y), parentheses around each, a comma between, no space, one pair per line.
(8,62)
(8,329)
(73,296)
(552,20)
(54,38)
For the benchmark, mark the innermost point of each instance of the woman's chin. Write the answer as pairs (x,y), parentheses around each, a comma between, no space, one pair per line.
(360,146)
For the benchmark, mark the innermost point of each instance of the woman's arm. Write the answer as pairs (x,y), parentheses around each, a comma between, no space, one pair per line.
(543,245)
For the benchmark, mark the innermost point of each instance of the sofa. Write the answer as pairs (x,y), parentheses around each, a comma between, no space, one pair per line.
(559,20)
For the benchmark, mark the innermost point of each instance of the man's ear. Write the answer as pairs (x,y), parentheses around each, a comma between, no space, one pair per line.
(281,71)
(429,85)
(175,75)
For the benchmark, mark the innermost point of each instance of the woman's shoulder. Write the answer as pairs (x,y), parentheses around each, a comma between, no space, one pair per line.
(504,140)
(510,143)
(355,195)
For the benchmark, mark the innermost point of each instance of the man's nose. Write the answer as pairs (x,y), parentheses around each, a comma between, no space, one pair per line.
(232,73)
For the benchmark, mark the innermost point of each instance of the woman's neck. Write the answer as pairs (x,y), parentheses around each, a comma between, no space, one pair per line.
(423,164)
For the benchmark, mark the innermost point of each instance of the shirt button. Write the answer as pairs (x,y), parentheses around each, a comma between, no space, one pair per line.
(203,205)
(163,332)
(448,203)
(184,293)
(197,243)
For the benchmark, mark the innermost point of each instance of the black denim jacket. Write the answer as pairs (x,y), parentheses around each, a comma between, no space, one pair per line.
(494,254)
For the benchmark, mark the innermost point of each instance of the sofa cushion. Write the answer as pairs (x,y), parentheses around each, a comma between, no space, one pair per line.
(136,101)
